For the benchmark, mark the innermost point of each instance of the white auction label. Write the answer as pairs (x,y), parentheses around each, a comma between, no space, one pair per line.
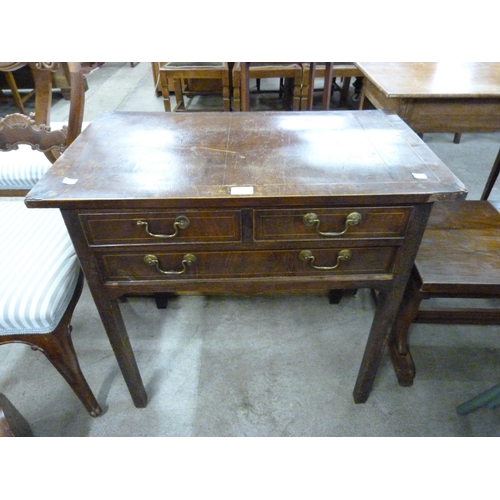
(68,180)
(241,190)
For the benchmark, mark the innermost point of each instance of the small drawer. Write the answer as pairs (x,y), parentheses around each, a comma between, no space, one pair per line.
(163,227)
(324,223)
(247,264)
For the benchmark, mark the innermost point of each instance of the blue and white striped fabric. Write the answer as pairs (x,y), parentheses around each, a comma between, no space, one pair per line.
(22,168)
(38,268)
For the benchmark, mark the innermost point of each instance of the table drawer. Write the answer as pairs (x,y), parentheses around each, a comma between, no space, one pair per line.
(325,223)
(163,227)
(255,264)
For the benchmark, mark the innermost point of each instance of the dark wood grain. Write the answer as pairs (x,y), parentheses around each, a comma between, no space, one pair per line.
(285,157)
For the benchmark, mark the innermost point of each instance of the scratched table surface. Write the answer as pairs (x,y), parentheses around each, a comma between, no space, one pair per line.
(278,155)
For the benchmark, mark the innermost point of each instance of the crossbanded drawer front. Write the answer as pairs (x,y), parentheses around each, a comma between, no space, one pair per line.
(240,264)
(299,224)
(165,227)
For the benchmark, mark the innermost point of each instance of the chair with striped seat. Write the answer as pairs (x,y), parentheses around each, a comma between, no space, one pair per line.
(40,276)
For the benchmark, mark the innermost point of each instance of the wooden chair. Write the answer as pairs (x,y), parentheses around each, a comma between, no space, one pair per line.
(459,258)
(40,276)
(195,78)
(329,71)
(243,72)
(8,72)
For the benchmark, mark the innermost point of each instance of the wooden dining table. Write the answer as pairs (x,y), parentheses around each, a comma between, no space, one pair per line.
(435,96)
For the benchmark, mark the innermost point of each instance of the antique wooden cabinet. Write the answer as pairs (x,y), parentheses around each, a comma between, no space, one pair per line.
(246,203)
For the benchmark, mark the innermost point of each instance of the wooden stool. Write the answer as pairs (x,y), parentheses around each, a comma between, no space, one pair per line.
(329,71)
(216,78)
(459,258)
(243,72)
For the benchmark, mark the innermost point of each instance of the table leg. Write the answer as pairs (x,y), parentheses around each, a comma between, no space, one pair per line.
(245,86)
(109,311)
(388,304)
(375,346)
(12,423)
(488,398)
(310,88)
(114,325)
(327,89)
(495,170)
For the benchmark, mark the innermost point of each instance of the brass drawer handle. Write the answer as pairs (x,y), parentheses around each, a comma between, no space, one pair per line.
(307,256)
(181,222)
(311,219)
(152,260)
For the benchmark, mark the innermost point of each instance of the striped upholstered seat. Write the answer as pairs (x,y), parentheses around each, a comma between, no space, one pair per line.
(34,295)
(22,168)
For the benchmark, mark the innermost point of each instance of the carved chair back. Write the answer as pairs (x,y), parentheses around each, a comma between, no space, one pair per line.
(34,130)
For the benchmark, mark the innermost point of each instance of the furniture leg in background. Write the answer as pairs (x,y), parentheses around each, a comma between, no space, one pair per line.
(487,399)
(12,423)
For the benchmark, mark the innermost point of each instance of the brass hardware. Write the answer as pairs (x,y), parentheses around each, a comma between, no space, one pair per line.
(152,260)
(307,256)
(311,219)
(181,222)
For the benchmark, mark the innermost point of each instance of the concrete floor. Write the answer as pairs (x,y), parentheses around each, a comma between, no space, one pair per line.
(264,366)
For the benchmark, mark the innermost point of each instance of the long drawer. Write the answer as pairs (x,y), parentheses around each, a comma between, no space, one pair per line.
(330,223)
(225,226)
(163,227)
(125,266)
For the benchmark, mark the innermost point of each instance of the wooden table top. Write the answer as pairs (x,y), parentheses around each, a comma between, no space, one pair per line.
(434,79)
(126,158)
